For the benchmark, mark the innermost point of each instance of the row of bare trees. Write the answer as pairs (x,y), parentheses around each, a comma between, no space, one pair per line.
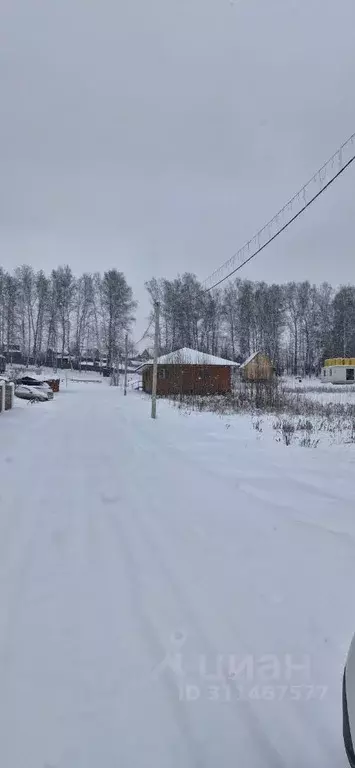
(296,324)
(60,314)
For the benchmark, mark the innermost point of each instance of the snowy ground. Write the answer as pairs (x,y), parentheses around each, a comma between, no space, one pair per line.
(338,394)
(325,392)
(137,558)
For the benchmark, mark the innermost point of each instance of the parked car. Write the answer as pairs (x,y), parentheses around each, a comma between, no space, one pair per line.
(37,394)
(49,386)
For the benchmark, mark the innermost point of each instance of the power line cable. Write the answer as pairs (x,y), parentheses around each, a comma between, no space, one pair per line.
(217,277)
(146,331)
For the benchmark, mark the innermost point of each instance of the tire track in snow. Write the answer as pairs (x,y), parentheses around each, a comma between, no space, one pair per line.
(269,755)
(148,631)
(16,581)
(319,741)
(315,730)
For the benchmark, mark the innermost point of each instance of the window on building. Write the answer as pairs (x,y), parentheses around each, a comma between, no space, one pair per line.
(325,372)
(330,372)
(350,374)
(162,373)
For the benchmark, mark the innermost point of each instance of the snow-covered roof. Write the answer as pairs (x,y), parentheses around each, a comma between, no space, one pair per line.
(191,357)
(249,359)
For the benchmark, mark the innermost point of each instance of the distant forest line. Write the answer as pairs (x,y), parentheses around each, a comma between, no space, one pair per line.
(297,324)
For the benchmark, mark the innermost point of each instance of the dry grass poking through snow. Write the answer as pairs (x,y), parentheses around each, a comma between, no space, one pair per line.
(297,418)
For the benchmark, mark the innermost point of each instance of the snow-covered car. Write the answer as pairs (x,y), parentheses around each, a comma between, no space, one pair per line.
(349,705)
(33,394)
(34,385)
(47,389)
(30,381)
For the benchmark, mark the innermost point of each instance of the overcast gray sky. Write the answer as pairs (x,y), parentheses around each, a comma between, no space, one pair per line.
(157,136)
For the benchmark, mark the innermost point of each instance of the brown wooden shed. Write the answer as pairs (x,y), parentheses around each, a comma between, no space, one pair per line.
(190,372)
(257,367)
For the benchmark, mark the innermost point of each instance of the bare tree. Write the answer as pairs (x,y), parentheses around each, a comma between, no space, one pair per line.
(344,322)
(118,307)
(230,301)
(63,287)
(3,319)
(26,281)
(11,310)
(42,287)
(84,313)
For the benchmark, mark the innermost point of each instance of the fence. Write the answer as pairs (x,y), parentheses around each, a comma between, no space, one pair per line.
(7,392)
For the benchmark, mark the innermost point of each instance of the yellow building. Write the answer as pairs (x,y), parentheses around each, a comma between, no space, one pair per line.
(339,370)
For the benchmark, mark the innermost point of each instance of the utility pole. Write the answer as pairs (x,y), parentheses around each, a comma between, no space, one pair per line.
(115,375)
(345,328)
(126,364)
(344,341)
(155,363)
(117,383)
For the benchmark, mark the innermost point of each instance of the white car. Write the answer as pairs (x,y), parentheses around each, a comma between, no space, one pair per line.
(33,394)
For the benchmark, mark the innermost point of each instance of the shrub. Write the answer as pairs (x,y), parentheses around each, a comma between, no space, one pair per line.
(286,430)
(308,442)
(295,412)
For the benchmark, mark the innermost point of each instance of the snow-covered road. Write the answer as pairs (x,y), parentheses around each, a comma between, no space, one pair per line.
(172,594)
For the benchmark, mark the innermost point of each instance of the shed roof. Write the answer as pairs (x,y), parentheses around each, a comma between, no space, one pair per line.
(189,356)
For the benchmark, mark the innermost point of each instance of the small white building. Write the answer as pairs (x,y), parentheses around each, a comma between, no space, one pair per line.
(339,370)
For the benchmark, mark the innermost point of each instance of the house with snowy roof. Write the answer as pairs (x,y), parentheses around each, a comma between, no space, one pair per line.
(190,372)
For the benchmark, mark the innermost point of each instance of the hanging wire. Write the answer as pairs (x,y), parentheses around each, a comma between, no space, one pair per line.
(344,156)
(146,331)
